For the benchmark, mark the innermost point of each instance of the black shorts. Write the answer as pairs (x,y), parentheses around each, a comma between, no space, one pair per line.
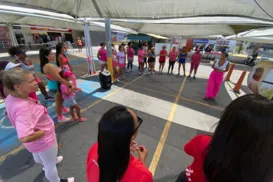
(151,60)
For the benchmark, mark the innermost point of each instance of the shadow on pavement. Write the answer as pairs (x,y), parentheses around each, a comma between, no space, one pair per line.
(16,164)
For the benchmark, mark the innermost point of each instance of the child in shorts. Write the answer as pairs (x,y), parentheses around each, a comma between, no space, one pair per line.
(68,95)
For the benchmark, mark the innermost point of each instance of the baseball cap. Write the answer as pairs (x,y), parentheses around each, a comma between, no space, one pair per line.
(21,52)
(11,65)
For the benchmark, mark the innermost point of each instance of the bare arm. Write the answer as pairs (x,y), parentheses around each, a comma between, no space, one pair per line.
(53,71)
(98,55)
(227,68)
(35,136)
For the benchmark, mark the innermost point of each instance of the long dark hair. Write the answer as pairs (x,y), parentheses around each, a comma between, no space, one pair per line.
(241,149)
(13,51)
(43,54)
(116,129)
(59,47)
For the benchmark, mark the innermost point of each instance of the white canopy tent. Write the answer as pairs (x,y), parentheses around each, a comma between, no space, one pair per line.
(27,16)
(152,9)
(264,40)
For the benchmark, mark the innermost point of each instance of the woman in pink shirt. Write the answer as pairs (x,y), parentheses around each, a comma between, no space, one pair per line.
(141,55)
(195,61)
(173,55)
(34,127)
(131,53)
(102,56)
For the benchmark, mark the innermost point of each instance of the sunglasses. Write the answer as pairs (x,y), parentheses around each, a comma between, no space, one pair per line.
(139,123)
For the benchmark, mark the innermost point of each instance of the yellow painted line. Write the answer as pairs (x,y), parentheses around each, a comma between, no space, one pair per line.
(165,132)
(201,103)
(182,98)
(15,151)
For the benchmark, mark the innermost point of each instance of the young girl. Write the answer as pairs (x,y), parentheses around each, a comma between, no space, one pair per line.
(69,97)
(130,53)
(121,60)
(141,56)
(151,60)
(115,64)
(162,58)
(182,60)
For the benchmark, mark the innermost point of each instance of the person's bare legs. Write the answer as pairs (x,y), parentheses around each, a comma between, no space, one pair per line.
(78,111)
(71,110)
(58,104)
(179,66)
(42,88)
(153,66)
(184,69)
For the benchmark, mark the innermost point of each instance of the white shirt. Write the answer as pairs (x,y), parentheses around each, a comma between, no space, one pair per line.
(121,57)
(222,67)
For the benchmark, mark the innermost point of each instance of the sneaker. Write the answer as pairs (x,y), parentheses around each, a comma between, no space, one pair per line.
(68,180)
(193,77)
(118,80)
(49,98)
(189,76)
(149,72)
(178,74)
(59,159)
(65,110)
(64,119)
(184,74)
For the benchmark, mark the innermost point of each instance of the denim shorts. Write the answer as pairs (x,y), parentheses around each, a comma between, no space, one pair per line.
(70,101)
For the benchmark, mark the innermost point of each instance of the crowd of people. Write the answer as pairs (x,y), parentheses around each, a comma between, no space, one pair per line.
(240,149)
(125,56)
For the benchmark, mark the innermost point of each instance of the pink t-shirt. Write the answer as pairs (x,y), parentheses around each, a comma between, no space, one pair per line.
(196,58)
(173,55)
(131,52)
(27,116)
(64,89)
(103,54)
(141,55)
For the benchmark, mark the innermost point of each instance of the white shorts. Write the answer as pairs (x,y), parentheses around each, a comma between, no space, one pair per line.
(103,62)
(70,101)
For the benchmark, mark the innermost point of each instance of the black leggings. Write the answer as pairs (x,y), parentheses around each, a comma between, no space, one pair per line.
(171,64)
(182,177)
(130,65)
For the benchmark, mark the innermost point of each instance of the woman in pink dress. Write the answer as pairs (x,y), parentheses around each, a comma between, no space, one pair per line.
(130,53)
(34,127)
(102,56)
(216,76)
(195,61)
(141,55)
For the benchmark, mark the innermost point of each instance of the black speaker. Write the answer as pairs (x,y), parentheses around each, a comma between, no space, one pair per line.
(105,79)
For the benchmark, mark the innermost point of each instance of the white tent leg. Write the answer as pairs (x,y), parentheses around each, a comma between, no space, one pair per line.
(12,35)
(89,53)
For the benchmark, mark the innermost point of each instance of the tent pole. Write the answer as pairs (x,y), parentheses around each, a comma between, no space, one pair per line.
(88,47)
(108,41)
(12,35)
